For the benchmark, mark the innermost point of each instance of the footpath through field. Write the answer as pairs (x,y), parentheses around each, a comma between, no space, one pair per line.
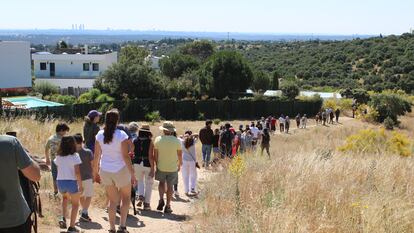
(181,219)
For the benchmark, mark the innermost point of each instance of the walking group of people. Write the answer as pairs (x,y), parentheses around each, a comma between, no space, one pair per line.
(327,116)
(126,159)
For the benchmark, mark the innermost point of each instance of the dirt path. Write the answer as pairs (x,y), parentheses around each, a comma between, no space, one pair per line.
(154,221)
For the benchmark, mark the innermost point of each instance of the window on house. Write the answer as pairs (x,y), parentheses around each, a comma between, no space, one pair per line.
(42,65)
(85,66)
(95,66)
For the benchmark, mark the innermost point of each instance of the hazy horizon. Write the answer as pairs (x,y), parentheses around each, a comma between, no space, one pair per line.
(334,17)
(181,31)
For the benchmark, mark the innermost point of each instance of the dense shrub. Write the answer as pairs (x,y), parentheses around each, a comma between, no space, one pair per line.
(389,105)
(63,99)
(46,88)
(153,117)
(370,141)
(389,123)
(290,90)
(104,98)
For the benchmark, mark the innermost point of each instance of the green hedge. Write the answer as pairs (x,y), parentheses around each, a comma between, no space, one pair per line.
(184,109)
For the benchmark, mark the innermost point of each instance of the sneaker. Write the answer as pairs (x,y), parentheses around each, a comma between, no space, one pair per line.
(168,210)
(62,223)
(194,193)
(73,230)
(122,230)
(176,194)
(161,205)
(147,206)
(85,218)
(140,201)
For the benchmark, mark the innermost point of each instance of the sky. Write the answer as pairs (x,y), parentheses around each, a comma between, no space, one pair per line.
(344,17)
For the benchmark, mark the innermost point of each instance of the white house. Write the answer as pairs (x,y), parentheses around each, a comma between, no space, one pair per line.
(71,70)
(15,65)
(154,61)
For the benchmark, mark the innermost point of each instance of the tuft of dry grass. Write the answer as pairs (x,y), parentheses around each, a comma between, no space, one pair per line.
(308,186)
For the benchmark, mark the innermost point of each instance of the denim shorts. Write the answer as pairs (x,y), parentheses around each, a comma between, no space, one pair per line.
(54,170)
(68,186)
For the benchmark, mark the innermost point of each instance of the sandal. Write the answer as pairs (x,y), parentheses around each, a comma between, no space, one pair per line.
(122,230)
(62,223)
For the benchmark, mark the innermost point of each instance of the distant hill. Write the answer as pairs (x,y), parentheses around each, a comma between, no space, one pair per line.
(374,63)
(120,36)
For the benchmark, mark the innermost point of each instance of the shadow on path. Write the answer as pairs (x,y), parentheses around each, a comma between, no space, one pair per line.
(161,215)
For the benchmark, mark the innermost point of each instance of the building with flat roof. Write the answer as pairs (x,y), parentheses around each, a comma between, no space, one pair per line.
(71,70)
(15,65)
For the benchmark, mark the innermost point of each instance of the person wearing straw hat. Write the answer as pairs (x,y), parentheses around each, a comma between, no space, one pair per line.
(168,160)
(144,165)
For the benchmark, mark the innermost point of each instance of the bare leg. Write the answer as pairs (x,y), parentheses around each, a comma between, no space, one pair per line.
(125,199)
(85,202)
(161,190)
(75,207)
(55,189)
(65,199)
(169,194)
(113,196)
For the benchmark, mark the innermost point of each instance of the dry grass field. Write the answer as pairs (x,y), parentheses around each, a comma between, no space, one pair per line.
(306,186)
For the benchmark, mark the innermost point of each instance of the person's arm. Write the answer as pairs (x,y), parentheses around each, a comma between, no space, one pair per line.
(127,159)
(155,157)
(32,172)
(151,159)
(97,161)
(131,146)
(47,151)
(25,164)
(180,158)
(78,177)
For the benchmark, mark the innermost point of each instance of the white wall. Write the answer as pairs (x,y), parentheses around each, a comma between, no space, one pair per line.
(65,83)
(15,64)
(71,65)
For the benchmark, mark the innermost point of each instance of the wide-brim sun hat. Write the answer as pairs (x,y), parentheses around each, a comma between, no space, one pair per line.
(145,127)
(168,126)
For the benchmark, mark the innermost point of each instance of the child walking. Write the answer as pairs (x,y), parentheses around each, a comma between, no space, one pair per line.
(86,173)
(51,149)
(69,180)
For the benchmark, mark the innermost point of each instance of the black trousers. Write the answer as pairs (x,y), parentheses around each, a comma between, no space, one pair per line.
(24,228)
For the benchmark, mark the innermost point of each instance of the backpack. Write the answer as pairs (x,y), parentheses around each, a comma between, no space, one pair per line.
(142,146)
(227,137)
(31,195)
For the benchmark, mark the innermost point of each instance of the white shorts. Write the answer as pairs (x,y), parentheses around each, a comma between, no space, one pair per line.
(87,188)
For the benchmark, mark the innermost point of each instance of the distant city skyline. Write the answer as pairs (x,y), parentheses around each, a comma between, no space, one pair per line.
(244,16)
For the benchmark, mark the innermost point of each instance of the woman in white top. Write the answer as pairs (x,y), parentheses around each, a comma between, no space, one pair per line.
(189,170)
(113,168)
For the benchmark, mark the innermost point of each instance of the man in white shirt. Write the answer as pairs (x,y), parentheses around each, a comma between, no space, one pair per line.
(256,133)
